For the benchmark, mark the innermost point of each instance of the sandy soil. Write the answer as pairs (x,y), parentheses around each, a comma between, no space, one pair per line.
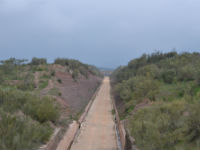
(98,130)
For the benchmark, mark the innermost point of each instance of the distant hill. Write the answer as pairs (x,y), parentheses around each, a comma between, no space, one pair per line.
(106,71)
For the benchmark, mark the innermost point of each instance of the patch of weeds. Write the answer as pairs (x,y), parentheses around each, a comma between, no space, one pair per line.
(59,80)
(43,84)
(130,109)
(45,76)
(64,122)
(53,73)
(40,68)
(54,91)
(75,75)
(59,94)
(113,111)
(122,116)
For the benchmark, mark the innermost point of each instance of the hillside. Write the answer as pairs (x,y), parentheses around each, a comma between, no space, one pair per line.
(158,99)
(36,98)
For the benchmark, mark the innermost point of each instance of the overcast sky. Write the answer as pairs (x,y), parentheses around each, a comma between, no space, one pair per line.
(106,33)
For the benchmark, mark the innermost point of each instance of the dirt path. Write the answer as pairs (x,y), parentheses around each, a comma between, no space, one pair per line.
(98,130)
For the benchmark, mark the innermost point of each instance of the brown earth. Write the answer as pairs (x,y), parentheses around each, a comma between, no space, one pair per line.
(77,93)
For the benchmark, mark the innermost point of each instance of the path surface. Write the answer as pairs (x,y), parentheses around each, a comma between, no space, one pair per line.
(98,130)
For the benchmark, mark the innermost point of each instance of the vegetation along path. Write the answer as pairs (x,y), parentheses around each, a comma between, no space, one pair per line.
(98,130)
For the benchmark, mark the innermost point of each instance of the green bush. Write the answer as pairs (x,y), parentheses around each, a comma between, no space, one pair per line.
(123,91)
(167,126)
(75,74)
(84,72)
(146,88)
(59,94)
(193,124)
(11,69)
(160,127)
(61,61)
(54,91)
(20,132)
(149,71)
(27,83)
(138,88)
(38,61)
(59,81)
(53,73)
(186,73)
(45,76)
(169,75)
(43,84)
(42,110)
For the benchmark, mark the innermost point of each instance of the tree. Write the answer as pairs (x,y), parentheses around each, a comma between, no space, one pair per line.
(168,75)
(38,61)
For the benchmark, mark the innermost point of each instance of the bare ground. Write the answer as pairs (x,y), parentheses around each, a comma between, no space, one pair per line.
(76,93)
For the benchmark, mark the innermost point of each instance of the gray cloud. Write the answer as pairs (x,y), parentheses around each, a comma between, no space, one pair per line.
(103,32)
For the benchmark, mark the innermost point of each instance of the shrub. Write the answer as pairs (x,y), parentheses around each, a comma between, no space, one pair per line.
(123,91)
(145,88)
(43,84)
(59,80)
(10,69)
(27,83)
(125,94)
(62,61)
(54,91)
(42,110)
(45,76)
(22,133)
(167,126)
(168,75)
(186,73)
(75,74)
(1,77)
(159,127)
(193,124)
(149,71)
(59,94)
(38,61)
(113,111)
(84,72)
(53,73)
